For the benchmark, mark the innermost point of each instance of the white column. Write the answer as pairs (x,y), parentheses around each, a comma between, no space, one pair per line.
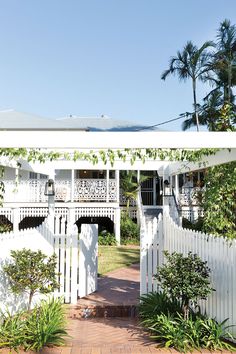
(72,185)
(51,205)
(117,176)
(16,219)
(154,191)
(177,187)
(107,184)
(117,225)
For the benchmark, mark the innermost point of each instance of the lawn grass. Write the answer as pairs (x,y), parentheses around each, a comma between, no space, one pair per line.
(113,257)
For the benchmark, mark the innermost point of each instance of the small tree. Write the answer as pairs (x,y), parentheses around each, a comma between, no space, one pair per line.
(184,278)
(31,272)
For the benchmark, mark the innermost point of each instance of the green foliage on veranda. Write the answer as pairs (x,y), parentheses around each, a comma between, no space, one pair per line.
(219,200)
(31,272)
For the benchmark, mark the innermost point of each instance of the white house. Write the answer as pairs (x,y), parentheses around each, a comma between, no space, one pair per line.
(90,193)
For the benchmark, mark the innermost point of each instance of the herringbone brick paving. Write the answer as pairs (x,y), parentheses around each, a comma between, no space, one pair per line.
(110,335)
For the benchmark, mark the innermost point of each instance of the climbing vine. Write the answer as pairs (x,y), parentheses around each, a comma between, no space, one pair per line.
(219,200)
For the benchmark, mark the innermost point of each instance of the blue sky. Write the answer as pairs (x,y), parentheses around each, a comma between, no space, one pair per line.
(94,57)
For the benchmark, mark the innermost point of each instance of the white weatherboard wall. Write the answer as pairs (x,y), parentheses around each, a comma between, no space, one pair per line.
(164,234)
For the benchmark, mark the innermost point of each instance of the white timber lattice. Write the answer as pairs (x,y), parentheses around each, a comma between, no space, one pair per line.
(63,212)
(95,212)
(32,212)
(6,213)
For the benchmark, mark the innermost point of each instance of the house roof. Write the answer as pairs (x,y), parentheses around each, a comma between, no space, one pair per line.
(13,120)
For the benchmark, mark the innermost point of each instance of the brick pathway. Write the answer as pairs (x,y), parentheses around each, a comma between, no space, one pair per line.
(109,335)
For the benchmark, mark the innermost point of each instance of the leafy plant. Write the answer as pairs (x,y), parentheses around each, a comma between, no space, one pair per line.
(46,325)
(5,228)
(129,230)
(184,278)
(172,330)
(12,330)
(155,303)
(196,225)
(107,239)
(219,200)
(31,272)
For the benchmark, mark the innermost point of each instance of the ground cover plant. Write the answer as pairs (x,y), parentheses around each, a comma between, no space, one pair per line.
(173,317)
(106,238)
(112,257)
(45,325)
(129,231)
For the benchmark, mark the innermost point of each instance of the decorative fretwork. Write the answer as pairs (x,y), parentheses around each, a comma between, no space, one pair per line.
(24,191)
(95,212)
(62,190)
(94,190)
(85,190)
(190,196)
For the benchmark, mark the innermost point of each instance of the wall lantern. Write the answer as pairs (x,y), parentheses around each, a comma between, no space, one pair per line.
(49,188)
(166,187)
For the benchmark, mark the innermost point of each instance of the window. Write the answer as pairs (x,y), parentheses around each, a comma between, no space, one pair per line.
(33,175)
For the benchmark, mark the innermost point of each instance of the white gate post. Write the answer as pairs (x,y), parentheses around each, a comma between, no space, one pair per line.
(117,225)
(88,261)
(16,219)
(74,266)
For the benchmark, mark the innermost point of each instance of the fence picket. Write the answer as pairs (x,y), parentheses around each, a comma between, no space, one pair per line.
(218,252)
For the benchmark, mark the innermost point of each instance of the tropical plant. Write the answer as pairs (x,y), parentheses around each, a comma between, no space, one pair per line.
(194,63)
(130,186)
(185,279)
(46,325)
(172,330)
(225,58)
(156,303)
(31,272)
(12,330)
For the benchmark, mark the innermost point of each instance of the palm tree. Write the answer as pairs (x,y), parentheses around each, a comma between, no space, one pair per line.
(209,112)
(225,58)
(191,63)
(130,186)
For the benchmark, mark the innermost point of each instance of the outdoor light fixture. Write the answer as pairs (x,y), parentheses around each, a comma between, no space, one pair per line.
(166,187)
(49,188)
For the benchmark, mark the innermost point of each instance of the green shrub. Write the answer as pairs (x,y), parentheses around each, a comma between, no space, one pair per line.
(107,239)
(5,228)
(186,335)
(184,278)
(155,303)
(197,225)
(31,272)
(12,330)
(129,230)
(46,325)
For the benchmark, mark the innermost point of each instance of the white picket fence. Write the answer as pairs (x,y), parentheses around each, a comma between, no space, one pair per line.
(66,247)
(220,254)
